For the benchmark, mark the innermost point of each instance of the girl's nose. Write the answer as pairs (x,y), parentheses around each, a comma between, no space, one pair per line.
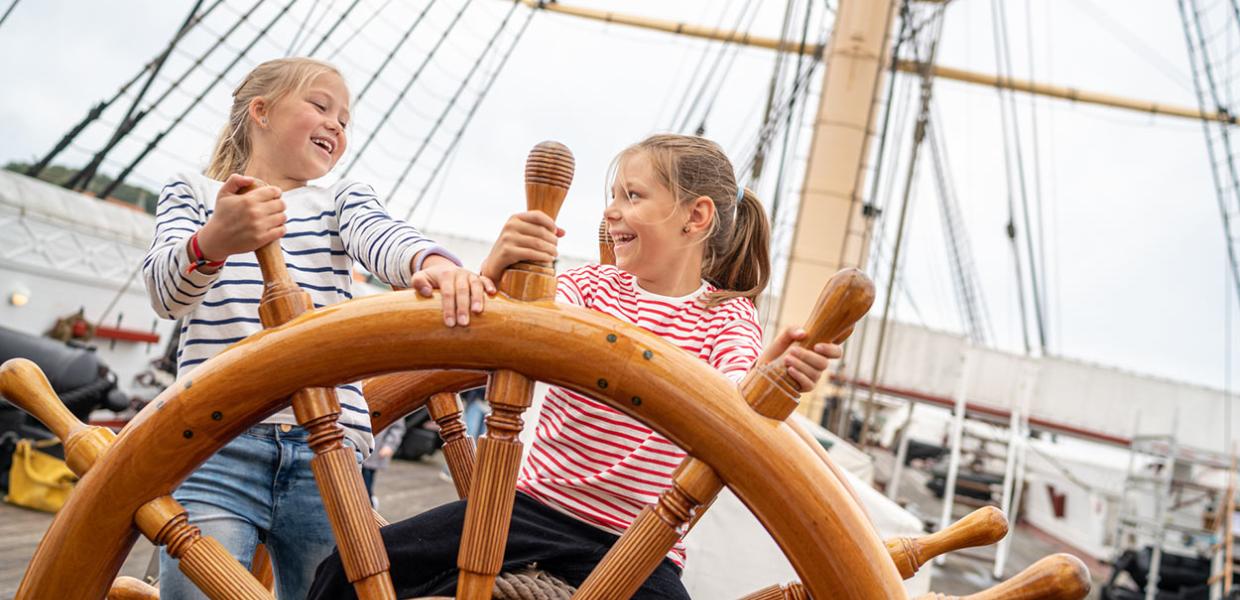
(612,211)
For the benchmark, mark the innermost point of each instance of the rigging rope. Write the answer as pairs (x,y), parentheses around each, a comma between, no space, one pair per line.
(8,11)
(197,99)
(302,28)
(777,195)
(447,109)
(443,158)
(408,84)
(693,77)
(360,28)
(82,179)
(1221,187)
(729,44)
(330,30)
(1011,119)
(396,48)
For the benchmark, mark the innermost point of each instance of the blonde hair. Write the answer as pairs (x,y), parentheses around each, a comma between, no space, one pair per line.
(736,254)
(271,81)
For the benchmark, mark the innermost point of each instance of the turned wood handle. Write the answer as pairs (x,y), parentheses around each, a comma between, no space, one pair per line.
(271,256)
(128,588)
(1056,577)
(846,298)
(25,385)
(548,174)
(606,245)
(981,527)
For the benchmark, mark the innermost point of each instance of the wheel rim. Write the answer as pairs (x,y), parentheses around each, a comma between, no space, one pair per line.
(821,530)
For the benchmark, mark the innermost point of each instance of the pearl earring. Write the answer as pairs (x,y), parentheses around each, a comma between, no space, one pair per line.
(684,229)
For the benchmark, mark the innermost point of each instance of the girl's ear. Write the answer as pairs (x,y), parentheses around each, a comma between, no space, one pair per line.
(701,214)
(258,109)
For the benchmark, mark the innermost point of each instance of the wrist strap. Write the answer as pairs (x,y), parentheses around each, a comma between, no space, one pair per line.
(200,260)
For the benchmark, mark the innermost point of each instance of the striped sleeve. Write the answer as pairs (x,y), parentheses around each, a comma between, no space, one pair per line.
(738,344)
(383,245)
(577,286)
(173,289)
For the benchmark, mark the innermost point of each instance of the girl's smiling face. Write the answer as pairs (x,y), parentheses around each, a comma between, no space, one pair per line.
(649,225)
(301,136)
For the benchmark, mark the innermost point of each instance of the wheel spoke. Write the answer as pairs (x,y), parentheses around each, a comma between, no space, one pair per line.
(203,560)
(792,591)
(653,534)
(548,173)
(458,447)
(335,468)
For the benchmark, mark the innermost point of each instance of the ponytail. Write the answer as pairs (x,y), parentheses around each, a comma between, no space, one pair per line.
(743,269)
(736,253)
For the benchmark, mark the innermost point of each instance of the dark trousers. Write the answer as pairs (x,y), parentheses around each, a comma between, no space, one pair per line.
(423,553)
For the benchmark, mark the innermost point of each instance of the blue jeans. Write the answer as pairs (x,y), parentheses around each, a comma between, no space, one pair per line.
(258,488)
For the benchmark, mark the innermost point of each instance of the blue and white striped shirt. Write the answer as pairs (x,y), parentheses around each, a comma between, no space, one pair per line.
(327,229)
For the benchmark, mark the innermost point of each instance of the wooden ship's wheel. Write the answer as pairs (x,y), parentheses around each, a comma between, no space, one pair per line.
(734,437)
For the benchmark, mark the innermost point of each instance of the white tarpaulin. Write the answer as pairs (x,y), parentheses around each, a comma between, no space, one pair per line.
(1072,396)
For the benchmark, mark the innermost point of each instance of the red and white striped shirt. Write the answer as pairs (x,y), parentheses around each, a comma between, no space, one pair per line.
(593,462)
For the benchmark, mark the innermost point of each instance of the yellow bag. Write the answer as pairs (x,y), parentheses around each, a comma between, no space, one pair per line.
(38,480)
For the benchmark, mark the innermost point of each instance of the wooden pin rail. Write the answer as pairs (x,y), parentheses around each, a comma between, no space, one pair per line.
(548,174)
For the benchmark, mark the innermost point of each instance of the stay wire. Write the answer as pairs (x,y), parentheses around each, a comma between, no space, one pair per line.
(708,80)
(330,30)
(777,196)
(82,179)
(8,11)
(395,48)
(460,132)
(408,85)
(302,28)
(447,109)
(198,99)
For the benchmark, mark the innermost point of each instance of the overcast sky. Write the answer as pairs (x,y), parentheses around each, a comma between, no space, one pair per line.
(1133,242)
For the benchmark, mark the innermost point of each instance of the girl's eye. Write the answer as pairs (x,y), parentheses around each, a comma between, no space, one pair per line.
(634,195)
(319,106)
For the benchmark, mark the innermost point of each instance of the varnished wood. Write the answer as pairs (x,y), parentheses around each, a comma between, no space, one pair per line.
(203,560)
(335,468)
(982,527)
(606,245)
(847,296)
(128,588)
(629,562)
(260,567)
(363,557)
(1056,577)
(771,469)
(458,447)
(394,396)
(548,174)
(652,535)
(812,518)
(792,591)
(24,385)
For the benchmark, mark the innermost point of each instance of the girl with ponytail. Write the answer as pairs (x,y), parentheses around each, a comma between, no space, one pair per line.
(692,256)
